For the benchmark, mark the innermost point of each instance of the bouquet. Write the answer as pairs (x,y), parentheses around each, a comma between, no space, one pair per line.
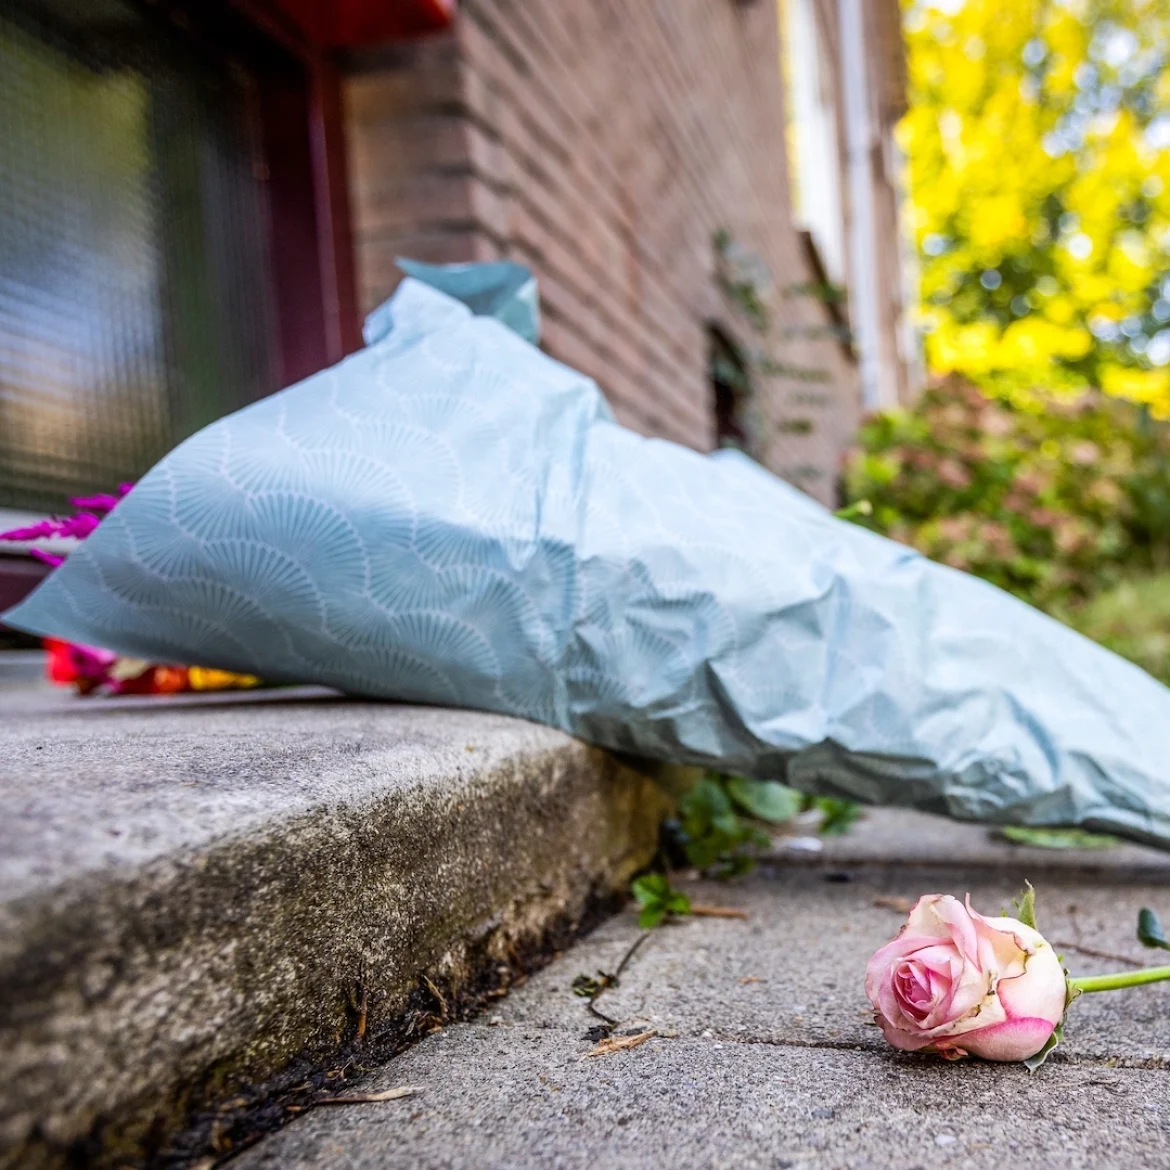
(449,516)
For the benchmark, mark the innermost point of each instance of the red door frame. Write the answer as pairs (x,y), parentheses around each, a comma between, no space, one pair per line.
(303,133)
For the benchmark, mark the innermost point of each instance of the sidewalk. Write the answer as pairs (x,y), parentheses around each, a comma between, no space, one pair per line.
(765,1054)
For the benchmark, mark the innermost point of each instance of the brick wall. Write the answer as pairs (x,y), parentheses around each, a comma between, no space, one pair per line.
(604,143)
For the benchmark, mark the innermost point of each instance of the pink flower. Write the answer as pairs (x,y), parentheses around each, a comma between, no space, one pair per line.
(91,663)
(42,530)
(102,502)
(952,473)
(94,509)
(959,984)
(77,527)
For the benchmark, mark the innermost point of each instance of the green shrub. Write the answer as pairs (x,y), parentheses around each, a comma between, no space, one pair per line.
(1132,619)
(1052,499)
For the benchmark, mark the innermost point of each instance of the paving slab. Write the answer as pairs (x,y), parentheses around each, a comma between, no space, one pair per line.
(695,1104)
(766,1055)
(204,900)
(792,972)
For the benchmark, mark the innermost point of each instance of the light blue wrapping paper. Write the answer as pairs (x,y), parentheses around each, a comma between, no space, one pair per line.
(450,516)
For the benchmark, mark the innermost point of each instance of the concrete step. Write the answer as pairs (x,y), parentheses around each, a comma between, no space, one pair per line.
(210,904)
(23,669)
(765,1055)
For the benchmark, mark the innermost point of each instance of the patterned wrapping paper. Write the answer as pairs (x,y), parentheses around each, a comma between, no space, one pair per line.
(452,517)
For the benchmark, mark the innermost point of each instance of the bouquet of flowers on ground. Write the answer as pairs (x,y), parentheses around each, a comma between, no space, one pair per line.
(451,517)
(89,669)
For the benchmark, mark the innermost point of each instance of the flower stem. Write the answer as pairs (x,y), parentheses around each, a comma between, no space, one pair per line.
(1122,979)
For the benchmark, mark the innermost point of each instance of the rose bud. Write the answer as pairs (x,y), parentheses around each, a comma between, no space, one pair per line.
(956,983)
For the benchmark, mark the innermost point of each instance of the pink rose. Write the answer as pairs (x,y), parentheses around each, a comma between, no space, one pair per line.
(957,983)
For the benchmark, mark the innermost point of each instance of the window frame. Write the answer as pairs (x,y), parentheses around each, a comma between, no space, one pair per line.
(816,170)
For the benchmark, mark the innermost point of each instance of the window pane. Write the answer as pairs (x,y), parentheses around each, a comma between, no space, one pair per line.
(813,136)
(134,300)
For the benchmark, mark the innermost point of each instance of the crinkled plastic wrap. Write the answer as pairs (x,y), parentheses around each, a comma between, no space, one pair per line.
(451,517)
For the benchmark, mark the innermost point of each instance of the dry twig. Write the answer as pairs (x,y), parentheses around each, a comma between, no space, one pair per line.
(612,1044)
(887,902)
(371,1098)
(608,981)
(439,999)
(1097,954)
(700,910)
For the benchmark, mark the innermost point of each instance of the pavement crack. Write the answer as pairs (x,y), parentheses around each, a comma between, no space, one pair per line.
(770,1042)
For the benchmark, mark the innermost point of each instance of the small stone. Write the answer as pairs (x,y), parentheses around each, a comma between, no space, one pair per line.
(945,1139)
(804,844)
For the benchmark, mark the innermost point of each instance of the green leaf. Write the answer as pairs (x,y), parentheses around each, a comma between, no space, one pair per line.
(1149,930)
(1025,906)
(708,850)
(657,898)
(700,807)
(765,799)
(1034,1062)
(713,834)
(837,816)
(587,986)
(852,511)
(1057,838)
(737,866)
(651,915)
(650,888)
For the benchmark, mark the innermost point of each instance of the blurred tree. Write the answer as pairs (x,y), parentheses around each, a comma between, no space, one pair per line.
(1039,146)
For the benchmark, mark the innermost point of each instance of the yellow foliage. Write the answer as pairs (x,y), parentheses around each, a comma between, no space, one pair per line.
(1039,173)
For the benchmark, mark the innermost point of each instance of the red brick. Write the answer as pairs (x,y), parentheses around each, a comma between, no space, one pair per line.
(604,143)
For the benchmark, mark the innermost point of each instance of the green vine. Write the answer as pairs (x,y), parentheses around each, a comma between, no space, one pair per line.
(747,282)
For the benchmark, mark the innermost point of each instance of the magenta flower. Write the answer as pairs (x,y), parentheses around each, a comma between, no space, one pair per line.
(46,558)
(90,662)
(103,502)
(78,527)
(41,531)
(94,509)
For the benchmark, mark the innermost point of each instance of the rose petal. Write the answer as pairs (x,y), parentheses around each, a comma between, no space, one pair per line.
(964,1000)
(884,959)
(957,920)
(1014,1039)
(1040,991)
(1003,943)
(901,1039)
